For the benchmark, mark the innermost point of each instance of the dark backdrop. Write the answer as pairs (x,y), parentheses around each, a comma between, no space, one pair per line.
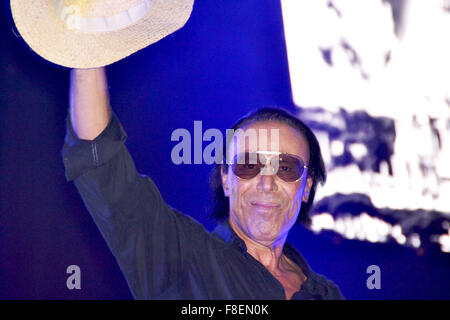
(228,59)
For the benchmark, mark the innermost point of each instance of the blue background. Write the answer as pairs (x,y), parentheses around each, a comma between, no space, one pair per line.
(229,59)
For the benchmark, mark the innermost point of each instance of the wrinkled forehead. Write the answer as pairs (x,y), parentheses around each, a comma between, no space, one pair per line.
(270,136)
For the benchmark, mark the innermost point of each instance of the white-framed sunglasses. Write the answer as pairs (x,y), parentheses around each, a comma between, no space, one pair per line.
(288,167)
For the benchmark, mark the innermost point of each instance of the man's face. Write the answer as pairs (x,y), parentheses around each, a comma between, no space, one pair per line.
(265,207)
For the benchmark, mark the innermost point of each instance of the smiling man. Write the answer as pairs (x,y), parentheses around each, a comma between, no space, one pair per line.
(266,187)
(264,205)
(260,193)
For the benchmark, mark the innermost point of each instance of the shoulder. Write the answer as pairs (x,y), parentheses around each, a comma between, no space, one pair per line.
(317,284)
(330,290)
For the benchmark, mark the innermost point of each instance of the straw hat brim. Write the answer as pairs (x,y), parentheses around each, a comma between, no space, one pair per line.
(45,33)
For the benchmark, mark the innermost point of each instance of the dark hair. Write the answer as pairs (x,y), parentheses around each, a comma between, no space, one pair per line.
(316,167)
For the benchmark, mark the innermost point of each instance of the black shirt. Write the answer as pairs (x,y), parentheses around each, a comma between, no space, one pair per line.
(163,253)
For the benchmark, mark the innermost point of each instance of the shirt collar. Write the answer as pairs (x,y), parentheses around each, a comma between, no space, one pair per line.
(227,234)
(314,286)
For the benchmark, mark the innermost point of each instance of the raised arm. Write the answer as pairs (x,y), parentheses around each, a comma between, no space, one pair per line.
(89,102)
(150,240)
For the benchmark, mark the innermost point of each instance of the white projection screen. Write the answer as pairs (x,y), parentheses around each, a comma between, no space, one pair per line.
(372,78)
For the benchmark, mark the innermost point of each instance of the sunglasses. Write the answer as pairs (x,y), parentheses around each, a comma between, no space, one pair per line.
(288,167)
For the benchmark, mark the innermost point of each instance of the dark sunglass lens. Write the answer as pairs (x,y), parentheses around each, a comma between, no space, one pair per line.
(246,166)
(289,168)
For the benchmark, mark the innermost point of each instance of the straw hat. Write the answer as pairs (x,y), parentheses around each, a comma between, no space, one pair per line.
(95,33)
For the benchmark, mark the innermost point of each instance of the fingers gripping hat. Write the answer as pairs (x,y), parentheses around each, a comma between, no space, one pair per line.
(95,33)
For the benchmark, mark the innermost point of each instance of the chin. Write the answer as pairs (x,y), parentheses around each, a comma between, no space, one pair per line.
(263,230)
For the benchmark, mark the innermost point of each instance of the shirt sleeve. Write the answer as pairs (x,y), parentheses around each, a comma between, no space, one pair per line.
(334,293)
(150,240)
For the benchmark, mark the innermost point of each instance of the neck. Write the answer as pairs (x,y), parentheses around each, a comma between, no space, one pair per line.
(268,253)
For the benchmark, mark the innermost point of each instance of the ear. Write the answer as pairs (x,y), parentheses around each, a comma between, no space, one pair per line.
(308,186)
(225,185)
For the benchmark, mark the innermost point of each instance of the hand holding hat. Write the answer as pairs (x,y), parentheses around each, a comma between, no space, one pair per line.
(95,33)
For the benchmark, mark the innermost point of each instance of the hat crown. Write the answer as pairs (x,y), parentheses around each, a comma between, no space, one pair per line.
(99,8)
(95,33)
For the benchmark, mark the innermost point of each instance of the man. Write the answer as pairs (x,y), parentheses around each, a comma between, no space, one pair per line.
(167,255)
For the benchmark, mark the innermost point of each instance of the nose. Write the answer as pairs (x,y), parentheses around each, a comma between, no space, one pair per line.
(266,183)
